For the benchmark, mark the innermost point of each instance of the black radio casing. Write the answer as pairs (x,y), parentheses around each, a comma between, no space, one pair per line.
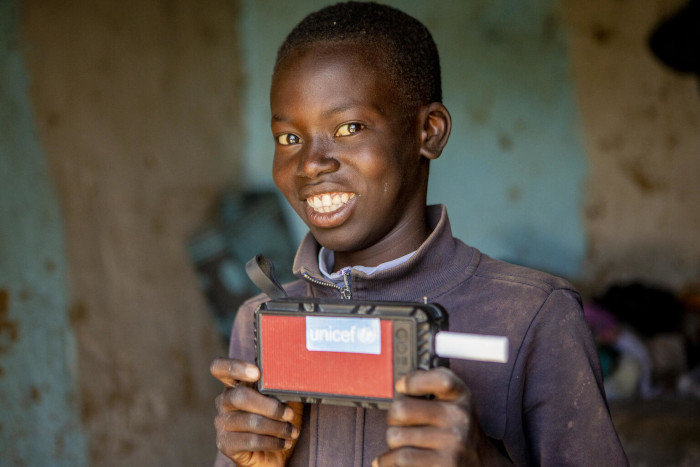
(414,326)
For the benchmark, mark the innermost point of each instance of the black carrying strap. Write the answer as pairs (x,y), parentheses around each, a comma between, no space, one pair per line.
(262,272)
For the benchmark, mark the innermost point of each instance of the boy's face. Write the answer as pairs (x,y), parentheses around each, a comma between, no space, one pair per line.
(346,157)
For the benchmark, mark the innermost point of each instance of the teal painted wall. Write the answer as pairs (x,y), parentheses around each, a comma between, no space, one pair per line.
(39,421)
(513,171)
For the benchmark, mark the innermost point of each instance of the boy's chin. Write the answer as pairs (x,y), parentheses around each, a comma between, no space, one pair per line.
(334,241)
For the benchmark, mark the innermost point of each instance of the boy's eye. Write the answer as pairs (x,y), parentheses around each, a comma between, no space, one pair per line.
(286,139)
(348,129)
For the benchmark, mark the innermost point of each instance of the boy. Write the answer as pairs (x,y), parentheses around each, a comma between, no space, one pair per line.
(357,117)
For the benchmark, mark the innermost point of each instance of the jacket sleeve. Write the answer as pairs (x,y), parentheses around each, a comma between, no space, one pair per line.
(242,343)
(565,415)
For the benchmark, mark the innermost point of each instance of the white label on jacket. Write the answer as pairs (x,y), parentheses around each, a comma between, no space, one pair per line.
(471,346)
(340,334)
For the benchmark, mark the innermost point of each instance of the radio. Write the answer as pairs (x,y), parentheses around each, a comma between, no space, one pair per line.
(344,352)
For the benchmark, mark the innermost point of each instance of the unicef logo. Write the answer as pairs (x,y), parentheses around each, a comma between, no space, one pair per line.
(343,334)
(367,335)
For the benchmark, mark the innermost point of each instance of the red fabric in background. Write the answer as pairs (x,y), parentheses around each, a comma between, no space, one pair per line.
(288,365)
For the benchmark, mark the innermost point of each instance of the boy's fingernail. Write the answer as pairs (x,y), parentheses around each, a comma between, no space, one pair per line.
(288,444)
(288,414)
(251,372)
(295,433)
(401,385)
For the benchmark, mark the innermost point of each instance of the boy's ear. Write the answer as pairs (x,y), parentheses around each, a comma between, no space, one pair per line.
(436,124)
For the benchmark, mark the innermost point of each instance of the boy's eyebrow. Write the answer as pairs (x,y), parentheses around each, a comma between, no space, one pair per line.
(338,109)
(279,118)
(326,113)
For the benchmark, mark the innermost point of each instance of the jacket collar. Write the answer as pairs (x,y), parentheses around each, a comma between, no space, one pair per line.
(440,264)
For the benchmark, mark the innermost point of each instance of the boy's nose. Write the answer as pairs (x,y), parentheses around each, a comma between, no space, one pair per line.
(316,160)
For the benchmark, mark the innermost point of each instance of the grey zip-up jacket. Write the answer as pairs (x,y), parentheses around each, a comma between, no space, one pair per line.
(545,406)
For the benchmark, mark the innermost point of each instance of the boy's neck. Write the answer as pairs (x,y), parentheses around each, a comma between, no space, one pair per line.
(403,240)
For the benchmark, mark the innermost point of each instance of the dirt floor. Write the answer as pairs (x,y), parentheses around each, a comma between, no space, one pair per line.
(663,432)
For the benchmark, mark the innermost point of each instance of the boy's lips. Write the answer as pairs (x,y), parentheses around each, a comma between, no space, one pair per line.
(328,210)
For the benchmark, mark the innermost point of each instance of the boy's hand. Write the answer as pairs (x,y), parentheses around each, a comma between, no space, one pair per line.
(443,431)
(252,429)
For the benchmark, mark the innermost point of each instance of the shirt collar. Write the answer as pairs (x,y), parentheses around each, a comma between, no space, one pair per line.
(326,258)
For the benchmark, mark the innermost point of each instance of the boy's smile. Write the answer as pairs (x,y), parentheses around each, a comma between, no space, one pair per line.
(347,158)
(329,202)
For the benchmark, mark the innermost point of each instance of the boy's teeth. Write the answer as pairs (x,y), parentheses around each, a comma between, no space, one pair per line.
(329,202)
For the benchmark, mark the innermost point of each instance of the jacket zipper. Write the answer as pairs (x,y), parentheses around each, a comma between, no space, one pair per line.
(345,292)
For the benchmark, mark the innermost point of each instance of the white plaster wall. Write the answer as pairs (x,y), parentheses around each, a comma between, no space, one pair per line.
(641,123)
(39,410)
(137,107)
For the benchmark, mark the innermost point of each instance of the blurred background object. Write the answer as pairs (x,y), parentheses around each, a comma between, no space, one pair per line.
(247,221)
(676,40)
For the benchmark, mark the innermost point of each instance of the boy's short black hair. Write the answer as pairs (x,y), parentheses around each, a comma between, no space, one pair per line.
(407,45)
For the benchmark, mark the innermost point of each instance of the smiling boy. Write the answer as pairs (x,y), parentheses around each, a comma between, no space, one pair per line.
(357,116)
